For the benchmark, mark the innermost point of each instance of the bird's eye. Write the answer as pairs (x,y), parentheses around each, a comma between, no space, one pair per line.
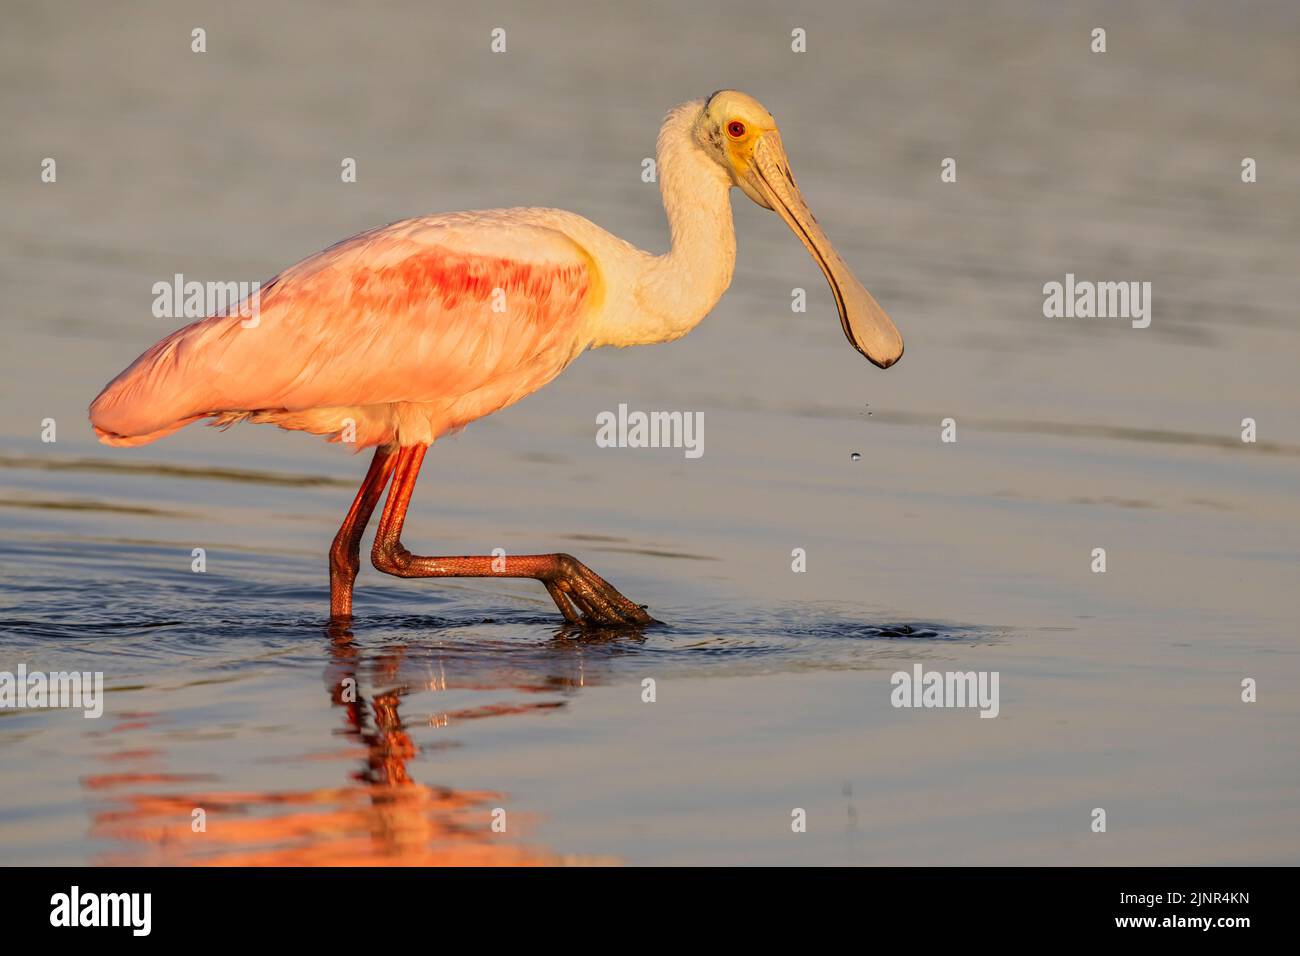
(736,129)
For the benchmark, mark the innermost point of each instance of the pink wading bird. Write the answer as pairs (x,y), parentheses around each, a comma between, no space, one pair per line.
(393,332)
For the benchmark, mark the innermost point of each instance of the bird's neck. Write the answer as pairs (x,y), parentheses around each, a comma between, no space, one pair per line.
(676,290)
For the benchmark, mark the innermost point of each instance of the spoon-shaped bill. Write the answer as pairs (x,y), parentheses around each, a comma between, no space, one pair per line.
(769,182)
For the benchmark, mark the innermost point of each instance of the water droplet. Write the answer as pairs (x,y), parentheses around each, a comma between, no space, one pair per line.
(855,457)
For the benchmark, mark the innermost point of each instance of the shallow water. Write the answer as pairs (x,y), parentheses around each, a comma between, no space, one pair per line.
(1121,690)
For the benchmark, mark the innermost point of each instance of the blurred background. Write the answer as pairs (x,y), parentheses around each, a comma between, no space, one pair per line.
(1119,690)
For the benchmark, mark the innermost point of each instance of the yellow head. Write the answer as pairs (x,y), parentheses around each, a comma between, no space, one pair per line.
(741,136)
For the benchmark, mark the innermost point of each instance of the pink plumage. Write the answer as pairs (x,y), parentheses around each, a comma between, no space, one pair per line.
(402,333)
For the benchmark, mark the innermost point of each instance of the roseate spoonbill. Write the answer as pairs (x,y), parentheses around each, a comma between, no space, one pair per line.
(391,337)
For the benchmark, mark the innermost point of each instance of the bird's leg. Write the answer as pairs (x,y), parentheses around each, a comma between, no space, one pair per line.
(345,553)
(580,593)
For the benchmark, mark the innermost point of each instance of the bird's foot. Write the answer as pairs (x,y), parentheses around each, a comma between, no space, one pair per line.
(584,597)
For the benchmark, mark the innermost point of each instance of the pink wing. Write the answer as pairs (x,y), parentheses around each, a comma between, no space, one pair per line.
(408,331)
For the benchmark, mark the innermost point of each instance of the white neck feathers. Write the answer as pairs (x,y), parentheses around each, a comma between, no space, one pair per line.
(676,290)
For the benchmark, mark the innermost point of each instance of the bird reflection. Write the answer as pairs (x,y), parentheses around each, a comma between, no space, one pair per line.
(382,815)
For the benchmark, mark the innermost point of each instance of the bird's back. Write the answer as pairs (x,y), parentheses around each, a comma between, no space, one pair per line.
(398,334)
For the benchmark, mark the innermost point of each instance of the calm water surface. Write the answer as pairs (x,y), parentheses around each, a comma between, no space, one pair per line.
(227,692)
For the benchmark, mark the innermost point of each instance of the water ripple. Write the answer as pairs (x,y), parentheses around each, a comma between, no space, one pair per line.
(78,602)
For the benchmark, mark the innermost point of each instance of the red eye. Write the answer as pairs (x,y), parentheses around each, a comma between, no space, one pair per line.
(736,128)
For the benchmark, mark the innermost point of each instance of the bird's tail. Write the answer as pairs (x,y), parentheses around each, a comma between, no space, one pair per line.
(129,441)
(162,391)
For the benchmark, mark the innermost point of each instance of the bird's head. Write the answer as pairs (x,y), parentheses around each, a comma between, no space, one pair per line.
(741,136)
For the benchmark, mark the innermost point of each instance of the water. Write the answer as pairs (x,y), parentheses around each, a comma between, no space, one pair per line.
(226,690)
